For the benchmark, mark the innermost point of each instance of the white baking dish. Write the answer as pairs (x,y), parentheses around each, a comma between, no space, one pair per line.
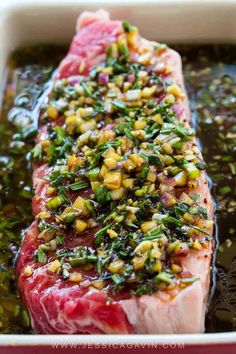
(164,20)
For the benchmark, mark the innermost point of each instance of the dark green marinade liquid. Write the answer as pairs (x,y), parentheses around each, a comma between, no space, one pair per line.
(28,71)
(210,76)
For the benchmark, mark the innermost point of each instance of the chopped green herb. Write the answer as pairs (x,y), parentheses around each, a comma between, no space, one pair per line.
(77,186)
(99,235)
(41,256)
(126,26)
(102,195)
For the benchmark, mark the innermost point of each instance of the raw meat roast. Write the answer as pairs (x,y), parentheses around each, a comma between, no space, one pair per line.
(122,236)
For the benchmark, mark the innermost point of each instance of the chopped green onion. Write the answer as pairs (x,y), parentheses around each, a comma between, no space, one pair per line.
(144,172)
(171,220)
(192,170)
(160,46)
(77,261)
(195,197)
(117,279)
(154,160)
(120,105)
(200,230)
(123,50)
(55,202)
(193,210)
(131,137)
(126,26)
(99,234)
(86,89)
(91,258)
(89,206)
(77,186)
(93,174)
(165,277)
(69,217)
(182,132)
(188,280)
(153,234)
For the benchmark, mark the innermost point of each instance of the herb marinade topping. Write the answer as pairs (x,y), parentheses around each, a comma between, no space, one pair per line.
(121,168)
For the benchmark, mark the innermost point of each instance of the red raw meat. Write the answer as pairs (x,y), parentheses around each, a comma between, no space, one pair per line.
(58,306)
(88,47)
